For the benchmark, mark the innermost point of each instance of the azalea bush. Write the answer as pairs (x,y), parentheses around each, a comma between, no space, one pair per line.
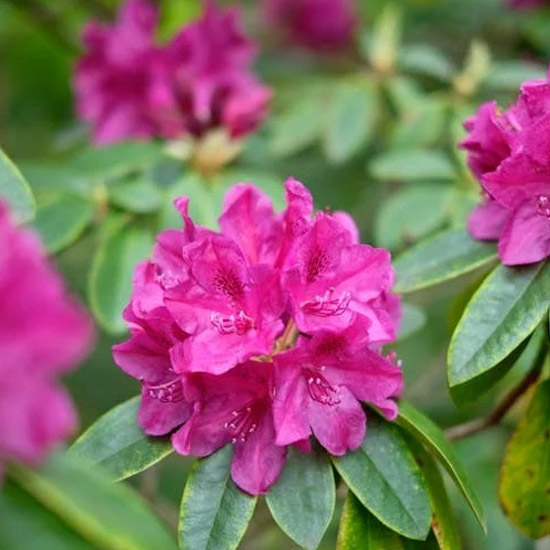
(274,275)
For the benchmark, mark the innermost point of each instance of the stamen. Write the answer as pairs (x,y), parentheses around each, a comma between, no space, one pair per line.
(325,305)
(171,392)
(244,422)
(232,324)
(319,388)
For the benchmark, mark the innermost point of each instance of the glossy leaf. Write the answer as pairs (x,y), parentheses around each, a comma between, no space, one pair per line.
(413,320)
(412,165)
(117,444)
(440,258)
(384,476)
(411,214)
(110,516)
(423,429)
(524,486)
(360,530)
(26,524)
(110,282)
(214,511)
(302,501)
(426,60)
(15,190)
(503,312)
(136,194)
(62,219)
(444,523)
(351,119)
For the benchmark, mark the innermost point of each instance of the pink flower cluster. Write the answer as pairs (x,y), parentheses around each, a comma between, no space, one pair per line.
(528,4)
(508,153)
(42,334)
(128,87)
(262,334)
(314,24)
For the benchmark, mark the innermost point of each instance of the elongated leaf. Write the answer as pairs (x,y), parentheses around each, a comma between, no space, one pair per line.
(442,257)
(413,319)
(110,279)
(62,219)
(360,530)
(426,60)
(351,120)
(26,524)
(524,486)
(503,312)
(110,516)
(117,444)
(423,429)
(136,194)
(302,500)
(411,214)
(214,512)
(444,523)
(384,476)
(412,165)
(15,190)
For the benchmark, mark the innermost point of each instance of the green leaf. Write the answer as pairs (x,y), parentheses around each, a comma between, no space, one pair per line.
(510,75)
(15,190)
(426,60)
(117,444)
(410,214)
(524,486)
(503,312)
(413,319)
(351,120)
(440,258)
(135,194)
(423,429)
(444,523)
(62,219)
(360,530)
(110,516)
(110,281)
(384,476)
(412,165)
(381,43)
(26,524)
(302,500)
(214,511)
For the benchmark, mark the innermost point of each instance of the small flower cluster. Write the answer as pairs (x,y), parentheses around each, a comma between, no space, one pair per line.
(508,153)
(42,334)
(128,87)
(528,4)
(262,334)
(314,24)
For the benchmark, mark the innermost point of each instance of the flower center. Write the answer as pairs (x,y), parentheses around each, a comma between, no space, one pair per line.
(543,206)
(232,324)
(325,305)
(317,263)
(244,422)
(171,392)
(319,388)
(227,283)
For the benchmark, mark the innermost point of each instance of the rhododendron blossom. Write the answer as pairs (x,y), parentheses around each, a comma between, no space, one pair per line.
(528,4)
(315,24)
(508,153)
(263,333)
(129,87)
(43,333)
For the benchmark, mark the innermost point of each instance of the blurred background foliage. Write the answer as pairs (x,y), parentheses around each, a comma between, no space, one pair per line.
(373,131)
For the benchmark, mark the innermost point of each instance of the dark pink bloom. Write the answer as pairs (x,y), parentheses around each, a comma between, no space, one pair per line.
(319,383)
(43,333)
(528,4)
(128,87)
(314,24)
(236,408)
(213,312)
(508,153)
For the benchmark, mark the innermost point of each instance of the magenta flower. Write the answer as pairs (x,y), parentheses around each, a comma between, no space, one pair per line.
(214,315)
(314,24)
(319,383)
(528,4)
(236,408)
(43,333)
(128,87)
(507,151)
